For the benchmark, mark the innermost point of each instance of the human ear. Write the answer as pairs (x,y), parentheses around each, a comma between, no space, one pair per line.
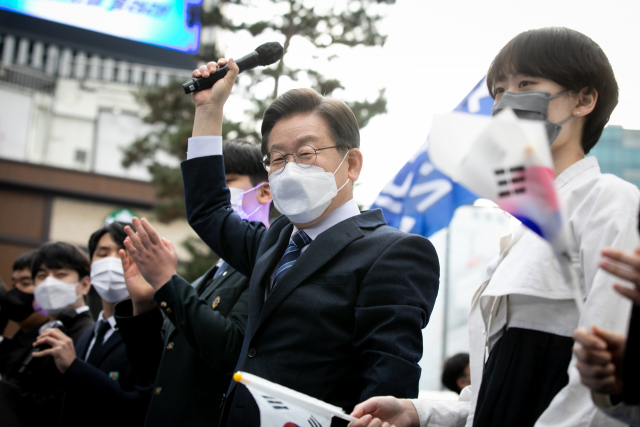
(354,162)
(85,285)
(264,194)
(585,102)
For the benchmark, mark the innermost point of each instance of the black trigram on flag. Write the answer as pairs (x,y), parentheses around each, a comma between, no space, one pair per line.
(275,403)
(313,422)
(510,181)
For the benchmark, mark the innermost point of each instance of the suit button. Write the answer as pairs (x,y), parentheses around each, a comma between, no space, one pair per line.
(170,346)
(163,304)
(168,310)
(157,391)
(252,352)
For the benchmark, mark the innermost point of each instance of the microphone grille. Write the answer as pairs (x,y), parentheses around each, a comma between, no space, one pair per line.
(269,53)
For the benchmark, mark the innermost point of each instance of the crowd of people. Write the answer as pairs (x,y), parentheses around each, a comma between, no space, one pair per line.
(328,300)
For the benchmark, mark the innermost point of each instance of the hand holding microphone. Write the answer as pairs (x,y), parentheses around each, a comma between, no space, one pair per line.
(209,101)
(266,54)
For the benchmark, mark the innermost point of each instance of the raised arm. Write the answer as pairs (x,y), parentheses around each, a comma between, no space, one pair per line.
(209,211)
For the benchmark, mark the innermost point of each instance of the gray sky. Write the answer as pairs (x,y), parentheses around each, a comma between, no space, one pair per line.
(436,52)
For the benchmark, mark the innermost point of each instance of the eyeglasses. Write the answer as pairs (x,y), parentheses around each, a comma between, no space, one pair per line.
(304,155)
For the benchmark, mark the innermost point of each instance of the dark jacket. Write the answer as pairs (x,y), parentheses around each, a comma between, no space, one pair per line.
(190,356)
(344,323)
(35,395)
(109,392)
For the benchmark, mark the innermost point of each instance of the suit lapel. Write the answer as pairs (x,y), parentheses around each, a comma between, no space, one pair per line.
(326,246)
(106,348)
(262,272)
(83,344)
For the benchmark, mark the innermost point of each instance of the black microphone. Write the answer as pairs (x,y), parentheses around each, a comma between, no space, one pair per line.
(266,54)
(54,324)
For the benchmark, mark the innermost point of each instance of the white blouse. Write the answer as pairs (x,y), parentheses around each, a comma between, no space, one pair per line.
(523,287)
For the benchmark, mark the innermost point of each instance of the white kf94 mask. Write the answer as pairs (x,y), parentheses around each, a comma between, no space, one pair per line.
(54,295)
(107,277)
(302,194)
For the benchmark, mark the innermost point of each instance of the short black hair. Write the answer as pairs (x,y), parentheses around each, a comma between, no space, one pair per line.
(61,255)
(453,369)
(342,123)
(115,230)
(568,58)
(244,158)
(25,260)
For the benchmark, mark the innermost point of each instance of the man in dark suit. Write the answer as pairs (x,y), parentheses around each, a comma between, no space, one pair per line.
(337,298)
(96,374)
(190,354)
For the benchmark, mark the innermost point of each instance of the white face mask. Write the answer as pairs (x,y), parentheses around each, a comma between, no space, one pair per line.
(237,195)
(107,277)
(303,194)
(54,295)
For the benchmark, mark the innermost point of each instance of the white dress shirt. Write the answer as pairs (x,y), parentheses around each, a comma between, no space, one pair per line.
(523,287)
(107,335)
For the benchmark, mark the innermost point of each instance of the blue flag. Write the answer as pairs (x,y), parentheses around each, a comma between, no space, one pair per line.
(420,199)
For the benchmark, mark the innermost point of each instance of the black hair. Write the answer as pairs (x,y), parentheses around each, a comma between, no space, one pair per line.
(454,369)
(61,255)
(342,123)
(244,158)
(25,260)
(568,58)
(115,230)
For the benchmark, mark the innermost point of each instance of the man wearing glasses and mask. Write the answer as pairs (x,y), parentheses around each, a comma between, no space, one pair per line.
(337,299)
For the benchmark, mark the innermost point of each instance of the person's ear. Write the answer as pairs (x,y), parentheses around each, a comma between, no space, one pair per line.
(264,194)
(85,285)
(354,162)
(585,102)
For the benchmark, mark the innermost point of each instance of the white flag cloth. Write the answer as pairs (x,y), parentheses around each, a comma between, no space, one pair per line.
(507,160)
(283,407)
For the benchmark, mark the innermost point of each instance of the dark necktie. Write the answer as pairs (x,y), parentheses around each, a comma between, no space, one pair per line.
(296,243)
(103,327)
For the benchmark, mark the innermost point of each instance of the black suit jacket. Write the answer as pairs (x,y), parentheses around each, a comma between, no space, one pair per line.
(191,355)
(108,393)
(35,395)
(344,323)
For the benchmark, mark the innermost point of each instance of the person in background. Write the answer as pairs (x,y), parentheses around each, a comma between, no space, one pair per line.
(523,315)
(455,372)
(33,389)
(17,305)
(190,353)
(100,384)
(609,362)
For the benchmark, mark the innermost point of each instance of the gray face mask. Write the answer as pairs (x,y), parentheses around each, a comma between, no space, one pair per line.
(531,105)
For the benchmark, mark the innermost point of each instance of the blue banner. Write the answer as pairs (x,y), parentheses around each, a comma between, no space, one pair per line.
(420,199)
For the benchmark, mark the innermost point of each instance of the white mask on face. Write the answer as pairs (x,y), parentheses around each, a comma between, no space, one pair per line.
(54,295)
(237,195)
(107,277)
(303,194)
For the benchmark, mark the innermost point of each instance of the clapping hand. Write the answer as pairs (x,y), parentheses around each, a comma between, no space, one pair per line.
(155,257)
(140,291)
